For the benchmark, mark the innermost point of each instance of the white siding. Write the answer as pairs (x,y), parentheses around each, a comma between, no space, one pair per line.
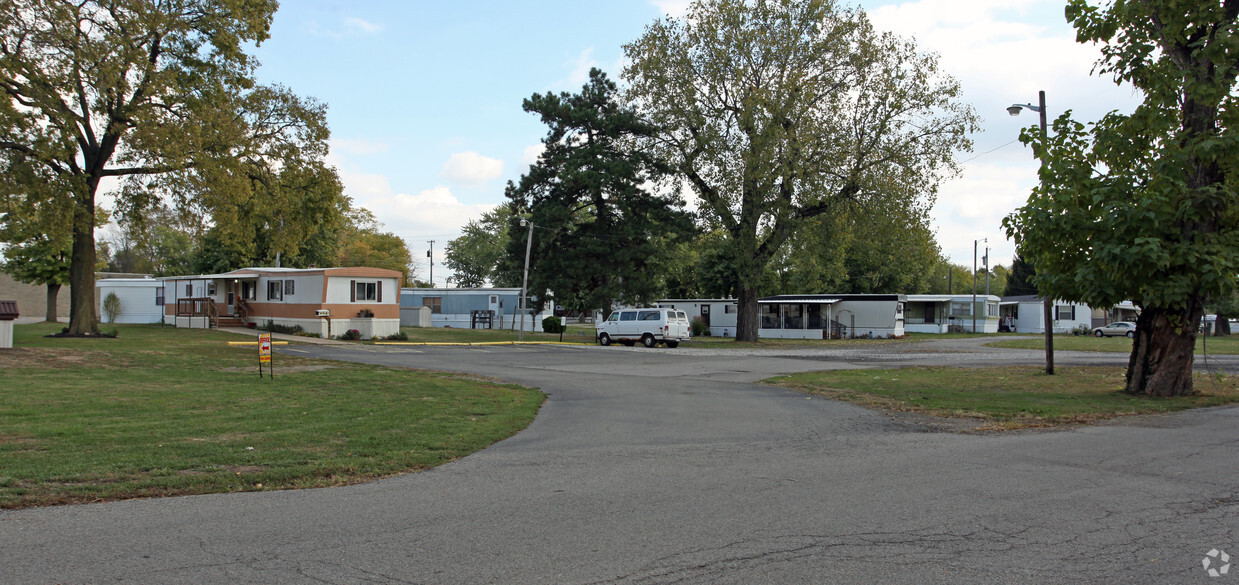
(137,300)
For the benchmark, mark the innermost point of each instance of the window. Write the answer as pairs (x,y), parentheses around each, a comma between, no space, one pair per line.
(992,309)
(729,309)
(365,291)
(961,309)
(435,304)
(628,316)
(211,288)
(275,290)
(494,299)
(189,290)
(650,315)
(288,286)
(614,316)
(159,296)
(769,316)
(1065,312)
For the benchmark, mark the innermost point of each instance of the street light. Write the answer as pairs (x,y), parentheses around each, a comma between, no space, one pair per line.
(525,279)
(1047,306)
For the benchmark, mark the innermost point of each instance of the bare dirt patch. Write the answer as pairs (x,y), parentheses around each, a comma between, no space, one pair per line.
(56,358)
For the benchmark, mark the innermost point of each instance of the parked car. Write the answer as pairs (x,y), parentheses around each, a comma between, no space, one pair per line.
(1116,328)
(649,326)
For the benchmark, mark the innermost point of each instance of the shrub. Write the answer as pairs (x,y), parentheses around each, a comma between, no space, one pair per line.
(700,329)
(111,307)
(350,335)
(289,329)
(553,325)
(399,336)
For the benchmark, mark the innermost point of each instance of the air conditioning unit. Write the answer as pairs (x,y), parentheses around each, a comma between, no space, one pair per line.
(322,313)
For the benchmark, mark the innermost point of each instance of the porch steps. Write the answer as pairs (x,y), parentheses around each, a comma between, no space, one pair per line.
(229,322)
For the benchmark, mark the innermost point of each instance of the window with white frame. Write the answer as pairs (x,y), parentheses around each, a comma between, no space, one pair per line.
(1065,312)
(211,288)
(992,309)
(159,296)
(275,290)
(288,286)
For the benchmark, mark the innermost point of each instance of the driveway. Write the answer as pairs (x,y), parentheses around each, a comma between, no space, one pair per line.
(658,466)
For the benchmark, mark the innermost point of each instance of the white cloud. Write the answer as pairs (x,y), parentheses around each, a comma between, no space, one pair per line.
(353,23)
(676,8)
(530,157)
(579,74)
(471,168)
(355,146)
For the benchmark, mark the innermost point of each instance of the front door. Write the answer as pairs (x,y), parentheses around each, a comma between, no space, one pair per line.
(705,315)
(232,297)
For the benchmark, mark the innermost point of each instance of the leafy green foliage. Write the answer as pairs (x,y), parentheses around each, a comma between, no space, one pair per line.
(778,112)
(1144,206)
(600,235)
(553,324)
(158,95)
(474,256)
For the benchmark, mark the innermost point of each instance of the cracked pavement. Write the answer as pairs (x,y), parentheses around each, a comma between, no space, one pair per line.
(672,466)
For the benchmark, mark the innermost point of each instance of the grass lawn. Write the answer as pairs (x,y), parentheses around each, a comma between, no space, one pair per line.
(1228,345)
(1005,397)
(161,411)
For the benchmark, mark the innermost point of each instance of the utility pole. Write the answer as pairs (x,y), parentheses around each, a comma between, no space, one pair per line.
(431,254)
(525,279)
(974,286)
(1047,306)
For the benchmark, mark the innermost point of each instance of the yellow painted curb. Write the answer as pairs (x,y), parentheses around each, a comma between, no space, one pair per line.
(254,342)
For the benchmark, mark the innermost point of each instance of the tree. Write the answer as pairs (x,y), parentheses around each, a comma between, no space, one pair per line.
(779,111)
(474,256)
(1144,206)
(158,94)
(602,236)
(1224,308)
(1021,281)
(34,227)
(376,249)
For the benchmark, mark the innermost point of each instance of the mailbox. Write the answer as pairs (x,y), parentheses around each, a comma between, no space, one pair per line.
(322,313)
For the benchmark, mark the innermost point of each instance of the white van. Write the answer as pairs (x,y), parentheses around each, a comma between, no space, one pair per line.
(649,326)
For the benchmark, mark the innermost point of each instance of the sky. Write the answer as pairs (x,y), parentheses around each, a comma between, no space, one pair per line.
(424,98)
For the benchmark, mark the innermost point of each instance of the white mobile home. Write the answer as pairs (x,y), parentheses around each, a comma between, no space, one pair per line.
(1026,314)
(831,316)
(141,300)
(946,313)
(460,307)
(719,315)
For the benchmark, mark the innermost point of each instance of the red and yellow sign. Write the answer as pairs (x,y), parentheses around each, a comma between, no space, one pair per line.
(264,348)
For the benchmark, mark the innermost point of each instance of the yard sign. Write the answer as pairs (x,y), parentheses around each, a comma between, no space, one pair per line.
(264,354)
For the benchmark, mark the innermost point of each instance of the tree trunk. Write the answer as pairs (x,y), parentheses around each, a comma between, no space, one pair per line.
(1163,351)
(82,317)
(53,292)
(1221,326)
(747,319)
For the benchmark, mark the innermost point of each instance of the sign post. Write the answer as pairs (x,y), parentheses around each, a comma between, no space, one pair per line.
(264,354)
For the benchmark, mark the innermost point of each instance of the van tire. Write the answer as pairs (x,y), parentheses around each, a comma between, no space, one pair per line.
(648,340)
(604,339)
(673,344)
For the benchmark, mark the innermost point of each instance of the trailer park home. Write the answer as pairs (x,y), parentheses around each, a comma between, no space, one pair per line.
(941,313)
(719,315)
(459,308)
(327,301)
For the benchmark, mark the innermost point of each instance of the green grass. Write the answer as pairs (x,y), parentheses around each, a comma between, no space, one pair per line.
(1005,397)
(161,411)
(1225,345)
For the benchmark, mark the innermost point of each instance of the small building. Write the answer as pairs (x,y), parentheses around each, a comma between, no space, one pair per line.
(1124,311)
(141,299)
(1026,314)
(327,301)
(831,316)
(466,308)
(719,315)
(8,314)
(950,313)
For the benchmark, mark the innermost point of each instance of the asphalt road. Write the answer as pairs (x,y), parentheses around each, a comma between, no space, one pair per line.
(672,466)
